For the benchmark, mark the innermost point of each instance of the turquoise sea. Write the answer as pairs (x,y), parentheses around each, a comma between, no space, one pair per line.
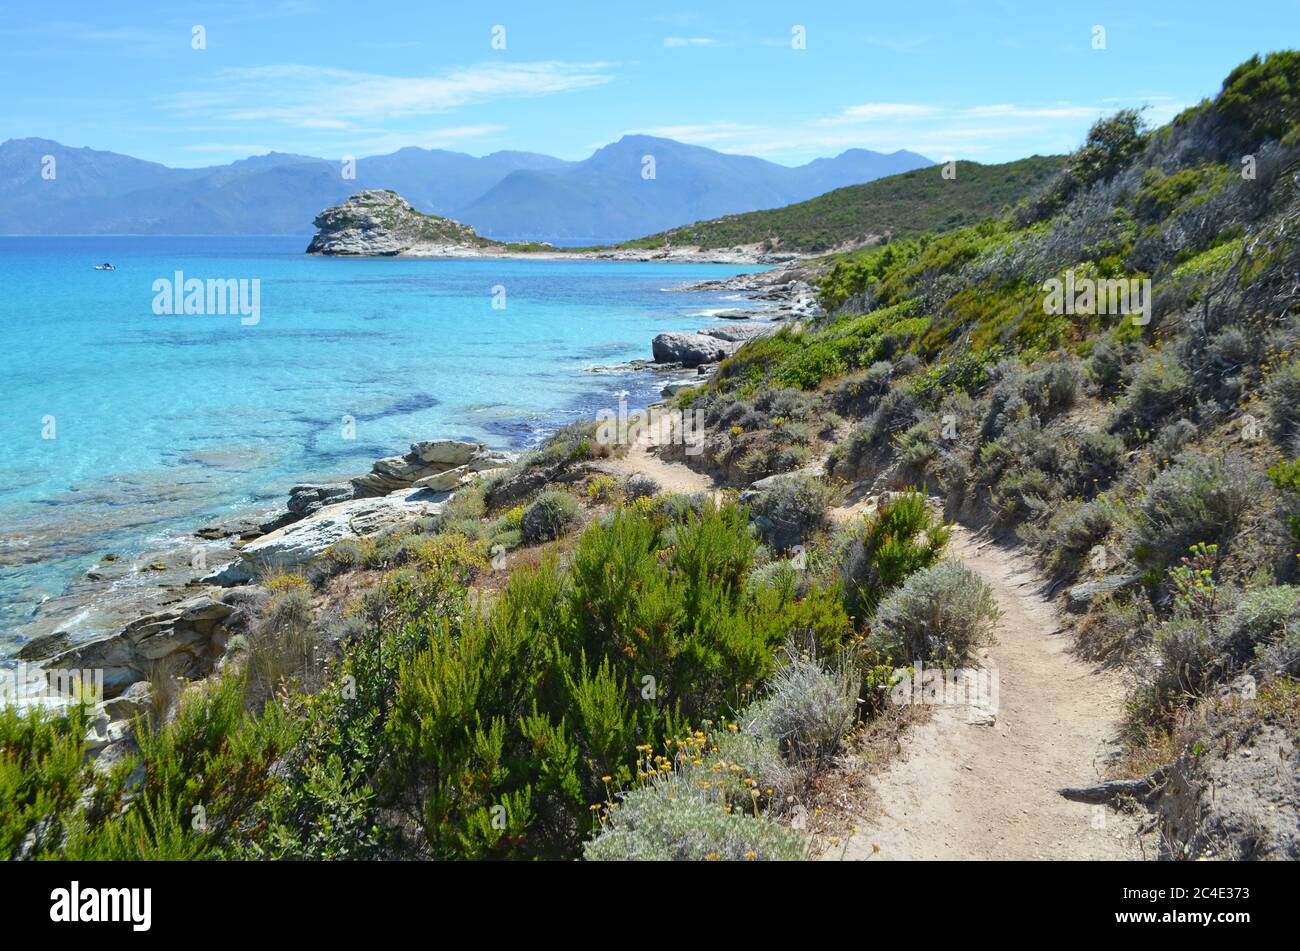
(123,428)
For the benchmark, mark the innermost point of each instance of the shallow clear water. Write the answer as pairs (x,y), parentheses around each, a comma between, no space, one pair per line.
(162,422)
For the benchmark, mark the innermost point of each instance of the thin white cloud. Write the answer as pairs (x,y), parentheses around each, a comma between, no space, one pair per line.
(317,97)
(1006,110)
(322,124)
(887,110)
(678,42)
(931,129)
(705,132)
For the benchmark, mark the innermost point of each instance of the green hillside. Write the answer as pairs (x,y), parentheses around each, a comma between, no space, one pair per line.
(897,206)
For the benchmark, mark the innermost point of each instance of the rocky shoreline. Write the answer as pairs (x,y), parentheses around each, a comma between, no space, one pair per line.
(788,297)
(191,631)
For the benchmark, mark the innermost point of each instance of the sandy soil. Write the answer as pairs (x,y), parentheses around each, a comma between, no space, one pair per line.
(642,458)
(974,784)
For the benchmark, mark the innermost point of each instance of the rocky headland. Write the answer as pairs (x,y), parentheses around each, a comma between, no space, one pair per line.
(383,224)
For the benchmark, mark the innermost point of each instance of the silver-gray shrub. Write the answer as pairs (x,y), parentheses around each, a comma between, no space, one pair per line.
(807,709)
(791,510)
(1159,385)
(1198,499)
(1262,619)
(672,819)
(944,613)
(549,516)
(640,486)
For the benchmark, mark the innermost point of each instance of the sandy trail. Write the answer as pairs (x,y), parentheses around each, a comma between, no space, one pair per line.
(642,458)
(971,786)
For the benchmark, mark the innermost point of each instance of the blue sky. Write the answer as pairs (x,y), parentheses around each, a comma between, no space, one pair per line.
(984,80)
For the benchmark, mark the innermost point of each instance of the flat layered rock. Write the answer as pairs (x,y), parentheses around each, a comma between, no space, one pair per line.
(742,332)
(425,461)
(190,635)
(295,545)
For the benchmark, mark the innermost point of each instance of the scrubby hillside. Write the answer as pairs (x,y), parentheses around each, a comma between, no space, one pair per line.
(898,206)
(1144,445)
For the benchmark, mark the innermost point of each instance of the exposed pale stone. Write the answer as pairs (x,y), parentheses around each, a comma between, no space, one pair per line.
(447,452)
(690,349)
(442,481)
(187,634)
(297,544)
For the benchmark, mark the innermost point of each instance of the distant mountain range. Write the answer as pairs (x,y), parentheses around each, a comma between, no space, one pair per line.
(509,196)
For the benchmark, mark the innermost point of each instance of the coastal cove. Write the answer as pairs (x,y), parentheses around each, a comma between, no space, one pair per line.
(126,431)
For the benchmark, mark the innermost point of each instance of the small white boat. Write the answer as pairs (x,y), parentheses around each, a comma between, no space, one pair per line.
(105,267)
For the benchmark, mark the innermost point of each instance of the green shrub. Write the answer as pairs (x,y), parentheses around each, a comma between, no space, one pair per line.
(1286,477)
(1261,97)
(323,803)
(203,775)
(512,720)
(900,538)
(1113,142)
(42,772)
(153,829)
(576,442)
(550,516)
(944,613)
